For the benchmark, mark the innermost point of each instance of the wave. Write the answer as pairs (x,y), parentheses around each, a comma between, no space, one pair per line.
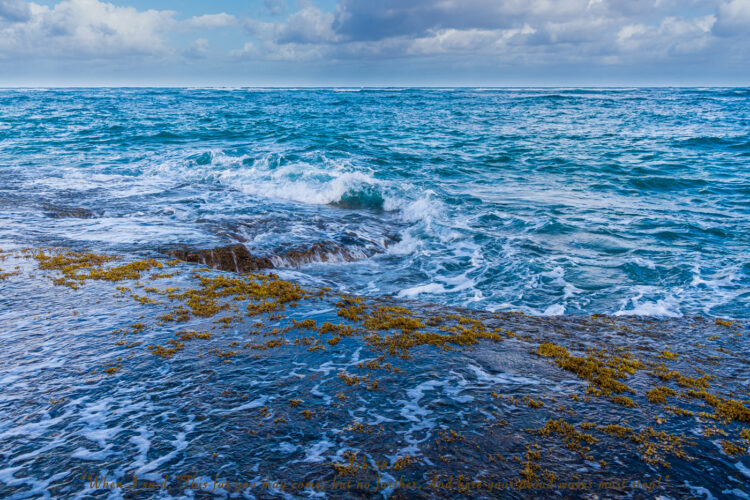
(713,141)
(314,179)
(666,183)
(533,199)
(367,196)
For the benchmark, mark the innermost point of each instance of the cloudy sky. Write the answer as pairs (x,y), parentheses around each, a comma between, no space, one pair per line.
(375,42)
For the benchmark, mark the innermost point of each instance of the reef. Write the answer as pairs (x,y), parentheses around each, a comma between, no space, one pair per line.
(451,401)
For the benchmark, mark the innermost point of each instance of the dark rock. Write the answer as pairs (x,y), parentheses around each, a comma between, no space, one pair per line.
(322,251)
(60,211)
(237,258)
(230,258)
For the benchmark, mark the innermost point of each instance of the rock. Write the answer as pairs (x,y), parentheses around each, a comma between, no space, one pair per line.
(234,258)
(237,258)
(322,251)
(60,211)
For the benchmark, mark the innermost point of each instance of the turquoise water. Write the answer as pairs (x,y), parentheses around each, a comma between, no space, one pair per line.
(547,201)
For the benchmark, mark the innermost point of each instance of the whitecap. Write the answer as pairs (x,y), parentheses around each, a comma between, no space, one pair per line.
(420,289)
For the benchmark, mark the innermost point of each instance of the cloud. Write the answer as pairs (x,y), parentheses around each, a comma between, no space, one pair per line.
(472,41)
(305,35)
(733,18)
(211,21)
(309,25)
(85,28)
(275,7)
(94,29)
(536,32)
(673,37)
(366,20)
(198,49)
(353,38)
(14,11)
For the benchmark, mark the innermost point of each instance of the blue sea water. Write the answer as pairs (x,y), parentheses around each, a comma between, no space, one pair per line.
(547,201)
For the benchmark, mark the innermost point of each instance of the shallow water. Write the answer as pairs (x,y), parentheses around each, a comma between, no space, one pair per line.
(548,201)
(84,396)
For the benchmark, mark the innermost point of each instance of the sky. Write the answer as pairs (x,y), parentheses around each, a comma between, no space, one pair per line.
(375,43)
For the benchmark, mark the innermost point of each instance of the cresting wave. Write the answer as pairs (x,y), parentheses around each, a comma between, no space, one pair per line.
(314,180)
(311,178)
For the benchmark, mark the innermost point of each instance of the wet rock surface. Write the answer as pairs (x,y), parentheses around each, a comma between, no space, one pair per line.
(237,258)
(233,258)
(63,211)
(323,251)
(253,378)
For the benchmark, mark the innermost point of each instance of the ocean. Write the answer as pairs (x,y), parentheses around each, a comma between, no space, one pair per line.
(374,293)
(547,201)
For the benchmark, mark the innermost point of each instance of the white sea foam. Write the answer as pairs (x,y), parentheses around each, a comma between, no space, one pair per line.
(316,451)
(179,443)
(736,492)
(85,454)
(142,443)
(411,409)
(664,307)
(315,180)
(408,245)
(255,403)
(420,289)
(700,491)
(554,310)
(717,282)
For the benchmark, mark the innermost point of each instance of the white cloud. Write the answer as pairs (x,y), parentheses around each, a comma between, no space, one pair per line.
(14,11)
(272,51)
(211,21)
(86,28)
(733,18)
(275,7)
(534,31)
(94,29)
(309,25)
(198,49)
(672,37)
(472,41)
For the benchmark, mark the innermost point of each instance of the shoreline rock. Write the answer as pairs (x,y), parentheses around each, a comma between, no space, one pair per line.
(235,258)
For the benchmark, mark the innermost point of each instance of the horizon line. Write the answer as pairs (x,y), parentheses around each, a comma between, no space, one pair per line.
(293,87)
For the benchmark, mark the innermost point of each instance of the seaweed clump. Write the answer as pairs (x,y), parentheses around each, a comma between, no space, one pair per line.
(654,446)
(604,374)
(725,409)
(576,440)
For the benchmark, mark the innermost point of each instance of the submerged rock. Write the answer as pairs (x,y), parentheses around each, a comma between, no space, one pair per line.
(322,251)
(237,258)
(62,211)
(234,258)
